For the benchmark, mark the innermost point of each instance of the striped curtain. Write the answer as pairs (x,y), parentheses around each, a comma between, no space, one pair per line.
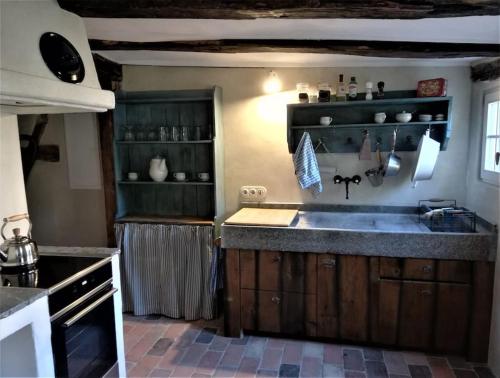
(167,269)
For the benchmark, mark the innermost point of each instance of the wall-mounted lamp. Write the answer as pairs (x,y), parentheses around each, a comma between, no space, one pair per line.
(272,83)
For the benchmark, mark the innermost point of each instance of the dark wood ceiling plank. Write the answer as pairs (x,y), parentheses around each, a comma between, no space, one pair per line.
(486,71)
(388,49)
(299,9)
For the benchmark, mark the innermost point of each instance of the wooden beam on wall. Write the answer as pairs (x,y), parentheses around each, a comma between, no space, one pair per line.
(387,49)
(110,76)
(486,71)
(249,9)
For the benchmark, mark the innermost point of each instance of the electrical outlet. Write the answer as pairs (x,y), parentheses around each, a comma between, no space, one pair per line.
(253,193)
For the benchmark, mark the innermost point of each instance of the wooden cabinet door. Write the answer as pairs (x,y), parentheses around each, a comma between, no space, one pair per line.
(387,308)
(353,297)
(416,314)
(328,312)
(452,317)
(272,311)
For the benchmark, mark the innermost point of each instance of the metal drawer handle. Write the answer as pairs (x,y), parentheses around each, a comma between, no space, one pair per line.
(426,292)
(329,263)
(275,300)
(277,259)
(80,300)
(427,268)
(86,310)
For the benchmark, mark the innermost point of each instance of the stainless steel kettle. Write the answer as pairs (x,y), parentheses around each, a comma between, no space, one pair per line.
(19,250)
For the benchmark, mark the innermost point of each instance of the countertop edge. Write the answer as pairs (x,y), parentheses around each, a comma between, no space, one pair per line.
(471,247)
(78,251)
(13,293)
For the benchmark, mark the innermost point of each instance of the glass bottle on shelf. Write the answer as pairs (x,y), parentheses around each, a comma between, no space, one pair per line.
(353,88)
(341,89)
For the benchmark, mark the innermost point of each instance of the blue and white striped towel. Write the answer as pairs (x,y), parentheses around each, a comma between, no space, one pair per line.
(306,166)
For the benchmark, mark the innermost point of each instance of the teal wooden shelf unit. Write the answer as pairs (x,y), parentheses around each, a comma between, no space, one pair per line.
(352,118)
(192,199)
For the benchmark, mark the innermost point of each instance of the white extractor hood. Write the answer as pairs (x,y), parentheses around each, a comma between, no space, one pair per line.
(27,85)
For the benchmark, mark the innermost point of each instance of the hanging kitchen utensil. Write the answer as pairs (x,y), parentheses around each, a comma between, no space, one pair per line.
(427,154)
(19,250)
(366,147)
(393,163)
(379,159)
(376,175)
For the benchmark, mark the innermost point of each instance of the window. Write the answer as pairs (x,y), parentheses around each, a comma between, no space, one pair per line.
(490,163)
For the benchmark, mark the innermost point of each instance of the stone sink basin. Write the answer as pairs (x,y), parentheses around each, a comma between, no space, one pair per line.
(388,222)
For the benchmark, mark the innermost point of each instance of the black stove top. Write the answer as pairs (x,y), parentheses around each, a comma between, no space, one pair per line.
(48,271)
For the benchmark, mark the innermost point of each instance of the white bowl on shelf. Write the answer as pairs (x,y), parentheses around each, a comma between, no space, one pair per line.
(403,117)
(425,117)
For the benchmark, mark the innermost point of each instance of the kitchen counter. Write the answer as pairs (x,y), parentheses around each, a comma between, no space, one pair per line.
(13,299)
(78,251)
(374,232)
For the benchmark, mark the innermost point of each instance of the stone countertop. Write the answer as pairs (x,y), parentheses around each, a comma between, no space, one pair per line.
(78,251)
(13,299)
(357,233)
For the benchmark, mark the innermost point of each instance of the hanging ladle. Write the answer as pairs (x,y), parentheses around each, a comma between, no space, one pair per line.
(393,163)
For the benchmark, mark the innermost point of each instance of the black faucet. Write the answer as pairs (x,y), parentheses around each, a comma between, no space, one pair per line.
(339,179)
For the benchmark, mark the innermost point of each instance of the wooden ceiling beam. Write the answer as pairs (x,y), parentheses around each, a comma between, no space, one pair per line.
(387,49)
(486,71)
(250,9)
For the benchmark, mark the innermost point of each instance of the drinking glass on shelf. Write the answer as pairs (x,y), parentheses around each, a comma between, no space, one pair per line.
(197,133)
(175,133)
(140,135)
(163,133)
(129,134)
(185,133)
(152,135)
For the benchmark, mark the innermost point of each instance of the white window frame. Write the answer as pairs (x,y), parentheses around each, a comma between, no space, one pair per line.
(488,176)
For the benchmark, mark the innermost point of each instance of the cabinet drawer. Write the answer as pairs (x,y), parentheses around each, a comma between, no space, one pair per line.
(273,311)
(278,271)
(407,269)
(425,270)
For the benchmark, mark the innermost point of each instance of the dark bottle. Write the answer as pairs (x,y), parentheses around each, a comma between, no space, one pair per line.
(353,89)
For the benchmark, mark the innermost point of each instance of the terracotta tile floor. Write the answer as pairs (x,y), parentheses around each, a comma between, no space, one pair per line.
(162,347)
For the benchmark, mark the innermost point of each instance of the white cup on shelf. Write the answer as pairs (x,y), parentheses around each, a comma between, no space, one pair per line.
(179,176)
(203,176)
(133,176)
(325,121)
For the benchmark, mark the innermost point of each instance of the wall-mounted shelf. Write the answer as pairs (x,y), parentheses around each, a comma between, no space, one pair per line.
(132,142)
(370,125)
(351,118)
(169,200)
(202,183)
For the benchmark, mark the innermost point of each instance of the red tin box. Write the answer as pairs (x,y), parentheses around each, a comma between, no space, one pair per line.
(432,88)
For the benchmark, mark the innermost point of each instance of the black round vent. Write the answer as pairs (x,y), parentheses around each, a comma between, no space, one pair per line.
(61,58)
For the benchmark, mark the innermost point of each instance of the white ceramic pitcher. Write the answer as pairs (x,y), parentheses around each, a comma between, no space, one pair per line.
(158,169)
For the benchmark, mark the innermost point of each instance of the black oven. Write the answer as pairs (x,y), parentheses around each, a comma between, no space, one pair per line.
(81,310)
(83,332)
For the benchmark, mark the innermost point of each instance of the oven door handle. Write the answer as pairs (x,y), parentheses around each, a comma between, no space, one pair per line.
(80,300)
(86,310)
